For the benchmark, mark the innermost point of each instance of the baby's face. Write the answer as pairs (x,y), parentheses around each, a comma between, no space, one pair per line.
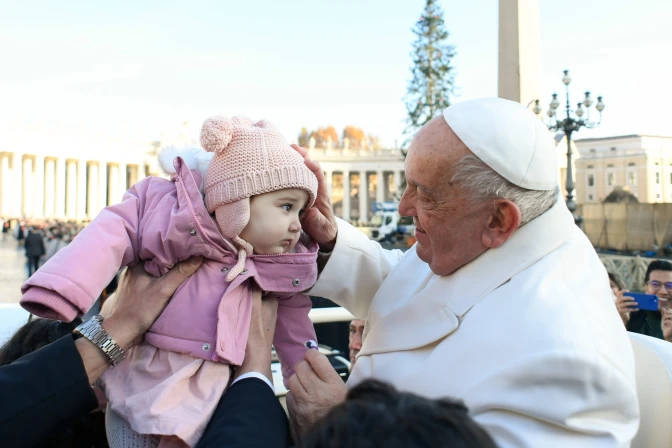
(274,226)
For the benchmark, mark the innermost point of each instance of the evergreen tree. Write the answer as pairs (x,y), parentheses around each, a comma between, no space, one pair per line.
(432,85)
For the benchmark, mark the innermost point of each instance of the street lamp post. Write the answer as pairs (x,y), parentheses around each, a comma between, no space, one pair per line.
(572,122)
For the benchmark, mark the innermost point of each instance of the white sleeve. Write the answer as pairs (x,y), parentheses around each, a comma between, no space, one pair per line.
(254,375)
(355,270)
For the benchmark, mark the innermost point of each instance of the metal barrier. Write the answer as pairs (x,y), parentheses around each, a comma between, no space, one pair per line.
(631,270)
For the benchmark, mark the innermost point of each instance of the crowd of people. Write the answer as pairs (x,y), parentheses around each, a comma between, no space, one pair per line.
(40,238)
(497,328)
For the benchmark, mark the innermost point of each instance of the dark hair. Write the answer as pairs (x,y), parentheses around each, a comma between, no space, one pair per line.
(657,265)
(616,279)
(33,336)
(375,414)
(87,431)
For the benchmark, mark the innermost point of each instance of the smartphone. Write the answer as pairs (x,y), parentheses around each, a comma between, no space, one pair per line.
(644,301)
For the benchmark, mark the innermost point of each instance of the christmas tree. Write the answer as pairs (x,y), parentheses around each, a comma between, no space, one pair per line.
(432,84)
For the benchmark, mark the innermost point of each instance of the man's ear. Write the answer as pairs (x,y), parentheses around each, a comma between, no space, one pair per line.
(502,222)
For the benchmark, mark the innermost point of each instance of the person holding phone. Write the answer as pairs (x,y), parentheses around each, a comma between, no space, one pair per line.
(658,281)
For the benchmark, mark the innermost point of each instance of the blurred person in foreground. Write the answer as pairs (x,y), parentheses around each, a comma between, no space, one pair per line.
(376,415)
(502,302)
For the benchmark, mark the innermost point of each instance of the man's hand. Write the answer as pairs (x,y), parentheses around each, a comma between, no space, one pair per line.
(139,301)
(314,389)
(260,338)
(625,305)
(319,222)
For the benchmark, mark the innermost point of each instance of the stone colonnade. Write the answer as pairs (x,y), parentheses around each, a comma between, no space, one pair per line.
(354,192)
(38,186)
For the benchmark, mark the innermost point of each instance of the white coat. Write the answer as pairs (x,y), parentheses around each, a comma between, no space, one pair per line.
(527,335)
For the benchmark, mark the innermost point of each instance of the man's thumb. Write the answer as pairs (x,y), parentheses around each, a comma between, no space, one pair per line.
(183,270)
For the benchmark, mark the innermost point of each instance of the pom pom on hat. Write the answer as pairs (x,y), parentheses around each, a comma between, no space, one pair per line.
(216,134)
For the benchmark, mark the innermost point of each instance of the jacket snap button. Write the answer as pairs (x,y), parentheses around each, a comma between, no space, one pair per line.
(206,347)
(296,282)
(192,232)
(224,269)
(244,271)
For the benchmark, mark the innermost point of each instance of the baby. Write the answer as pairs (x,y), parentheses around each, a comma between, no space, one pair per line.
(257,188)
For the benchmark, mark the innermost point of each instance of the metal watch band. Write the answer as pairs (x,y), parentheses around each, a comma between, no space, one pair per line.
(94,332)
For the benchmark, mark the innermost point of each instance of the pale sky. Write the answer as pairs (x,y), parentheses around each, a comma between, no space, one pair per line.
(90,73)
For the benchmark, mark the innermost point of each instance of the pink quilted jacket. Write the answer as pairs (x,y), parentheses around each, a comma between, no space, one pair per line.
(162,222)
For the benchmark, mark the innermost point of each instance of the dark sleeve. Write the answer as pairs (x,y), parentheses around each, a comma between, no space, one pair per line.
(636,320)
(43,391)
(248,415)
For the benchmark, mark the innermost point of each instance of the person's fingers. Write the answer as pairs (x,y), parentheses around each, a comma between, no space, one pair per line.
(178,274)
(300,150)
(320,364)
(296,387)
(306,375)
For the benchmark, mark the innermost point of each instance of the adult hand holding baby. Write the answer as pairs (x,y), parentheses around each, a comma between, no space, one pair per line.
(319,222)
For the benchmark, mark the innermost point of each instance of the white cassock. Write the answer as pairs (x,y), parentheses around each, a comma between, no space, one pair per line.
(527,334)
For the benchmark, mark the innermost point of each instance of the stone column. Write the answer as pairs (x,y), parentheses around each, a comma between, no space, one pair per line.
(59,194)
(122,182)
(71,193)
(328,177)
(397,183)
(141,171)
(346,195)
(103,188)
(92,191)
(82,189)
(380,187)
(49,188)
(519,51)
(113,182)
(363,197)
(5,190)
(38,198)
(16,187)
(27,188)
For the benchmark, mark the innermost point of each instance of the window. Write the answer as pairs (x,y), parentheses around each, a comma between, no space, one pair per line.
(613,148)
(632,178)
(611,165)
(592,150)
(590,197)
(657,178)
(631,164)
(610,179)
(591,180)
(658,196)
(657,164)
(671,178)
(590,167)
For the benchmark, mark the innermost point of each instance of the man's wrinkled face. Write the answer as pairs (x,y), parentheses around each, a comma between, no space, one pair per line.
(356,333)
(449,223)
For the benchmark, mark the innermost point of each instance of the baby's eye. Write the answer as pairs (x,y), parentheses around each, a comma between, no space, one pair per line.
(286,207)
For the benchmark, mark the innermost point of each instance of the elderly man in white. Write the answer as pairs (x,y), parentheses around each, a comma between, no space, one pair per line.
(502,302)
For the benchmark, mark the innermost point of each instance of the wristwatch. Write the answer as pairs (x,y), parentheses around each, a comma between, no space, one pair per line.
(94,332)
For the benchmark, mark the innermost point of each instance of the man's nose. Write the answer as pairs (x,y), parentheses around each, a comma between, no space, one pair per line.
(405,206)
(355,343)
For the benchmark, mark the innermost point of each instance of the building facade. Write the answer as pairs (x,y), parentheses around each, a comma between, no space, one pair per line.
(641,164)
(67,186)
(356,178)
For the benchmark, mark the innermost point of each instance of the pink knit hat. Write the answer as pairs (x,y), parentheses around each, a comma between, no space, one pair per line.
(250,159)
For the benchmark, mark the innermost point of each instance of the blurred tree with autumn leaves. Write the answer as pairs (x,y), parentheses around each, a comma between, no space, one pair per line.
(355,137)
